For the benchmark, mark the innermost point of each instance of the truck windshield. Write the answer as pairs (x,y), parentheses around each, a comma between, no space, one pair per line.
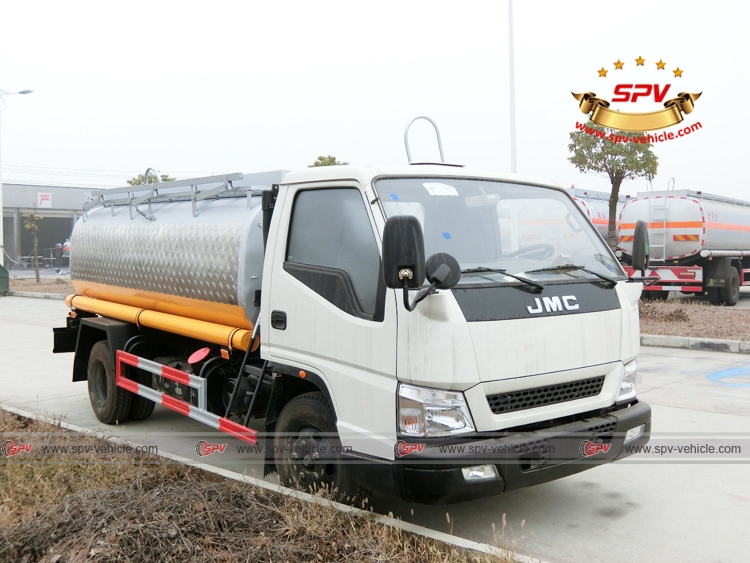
(496,228)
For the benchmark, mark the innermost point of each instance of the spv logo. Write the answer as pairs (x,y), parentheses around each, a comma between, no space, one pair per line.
(589,448)
(204,448)
(647,86)
(632,92)
(10,448)
(404,448)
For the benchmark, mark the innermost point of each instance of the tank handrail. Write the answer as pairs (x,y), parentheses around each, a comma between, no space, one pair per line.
(437,133)
(133,196)
(697,194)
(719,199)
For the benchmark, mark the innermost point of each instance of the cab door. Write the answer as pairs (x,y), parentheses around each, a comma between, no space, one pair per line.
(324,308)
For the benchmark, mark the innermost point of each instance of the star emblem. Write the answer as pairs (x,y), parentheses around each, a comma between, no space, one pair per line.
(602,73)
(618,64)
(678,72)
(639,61)
(660,65)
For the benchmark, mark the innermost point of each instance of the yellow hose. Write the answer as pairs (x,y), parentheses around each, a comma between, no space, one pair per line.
(231,337)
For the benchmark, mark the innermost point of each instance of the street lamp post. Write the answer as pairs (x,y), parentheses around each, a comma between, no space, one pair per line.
(512,87)
(2,107)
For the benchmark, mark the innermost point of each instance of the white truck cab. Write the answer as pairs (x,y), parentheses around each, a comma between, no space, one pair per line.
(502,377)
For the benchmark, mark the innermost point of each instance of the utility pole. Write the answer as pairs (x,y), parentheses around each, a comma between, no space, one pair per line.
(512,84)
(2,107)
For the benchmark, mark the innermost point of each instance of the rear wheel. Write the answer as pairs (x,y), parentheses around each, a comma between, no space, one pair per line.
(307,448)
(730,294)
(141,407)
(639,256)
(110,403)
(654,295)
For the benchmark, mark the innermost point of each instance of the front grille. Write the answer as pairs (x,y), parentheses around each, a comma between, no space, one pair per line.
(602,429)
(547,395)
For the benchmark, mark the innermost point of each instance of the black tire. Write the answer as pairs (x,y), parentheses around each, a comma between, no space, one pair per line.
(141,407)
(730,294)
(641,249)
(713,296)
(111,404)
(654,295)
(306,427)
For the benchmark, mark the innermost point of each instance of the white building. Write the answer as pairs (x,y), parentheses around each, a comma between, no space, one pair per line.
(59,207)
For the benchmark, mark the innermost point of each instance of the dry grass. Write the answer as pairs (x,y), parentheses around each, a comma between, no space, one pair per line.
(697,319)
(46,284)
(143,509)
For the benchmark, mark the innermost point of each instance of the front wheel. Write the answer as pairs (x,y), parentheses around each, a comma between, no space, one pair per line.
(110,403)
(307,448)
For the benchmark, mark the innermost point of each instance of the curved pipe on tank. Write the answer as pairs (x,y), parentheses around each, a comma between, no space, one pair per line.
(145,176)
(437,132)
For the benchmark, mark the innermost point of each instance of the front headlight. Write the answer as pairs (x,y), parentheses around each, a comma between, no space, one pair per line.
(426,412)
(629,383)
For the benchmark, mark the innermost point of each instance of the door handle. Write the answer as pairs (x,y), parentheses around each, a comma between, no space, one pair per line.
(278,320)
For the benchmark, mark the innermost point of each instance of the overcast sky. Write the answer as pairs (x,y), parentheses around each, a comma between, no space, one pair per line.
(192,88)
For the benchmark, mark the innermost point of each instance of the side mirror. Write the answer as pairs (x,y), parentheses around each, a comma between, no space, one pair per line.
(443,271)
(403,252)
(641,248)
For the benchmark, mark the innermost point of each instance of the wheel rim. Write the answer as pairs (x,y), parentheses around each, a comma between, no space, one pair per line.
(311,459)
(99,385)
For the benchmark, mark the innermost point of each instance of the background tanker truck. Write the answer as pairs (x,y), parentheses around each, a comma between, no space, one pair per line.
(699,243)
(595,206)
(306,318)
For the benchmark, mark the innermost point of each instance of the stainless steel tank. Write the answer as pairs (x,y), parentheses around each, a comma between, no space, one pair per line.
(202,260)
(683,223)
(595,206)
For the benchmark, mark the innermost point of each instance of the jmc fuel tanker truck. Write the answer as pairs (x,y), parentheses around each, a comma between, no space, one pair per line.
(306,317)
(698,243)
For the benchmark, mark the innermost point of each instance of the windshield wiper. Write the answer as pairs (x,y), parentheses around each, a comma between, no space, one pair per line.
(537,286)
(612,282)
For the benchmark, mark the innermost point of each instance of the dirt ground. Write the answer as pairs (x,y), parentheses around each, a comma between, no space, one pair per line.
(694,319)
(47,284)
(61,506)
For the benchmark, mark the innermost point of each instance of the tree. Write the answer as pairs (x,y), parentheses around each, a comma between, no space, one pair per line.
(140,179)
(326,161)
(594,150)
(31,223)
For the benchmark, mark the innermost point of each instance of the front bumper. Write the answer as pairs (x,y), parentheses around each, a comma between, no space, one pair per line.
(432,473)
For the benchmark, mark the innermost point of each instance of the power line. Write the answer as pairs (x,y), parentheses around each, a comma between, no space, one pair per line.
(15,174)
(83,171)
(66,169)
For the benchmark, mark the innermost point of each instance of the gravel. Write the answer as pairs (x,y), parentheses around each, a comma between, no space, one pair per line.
(696,319)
